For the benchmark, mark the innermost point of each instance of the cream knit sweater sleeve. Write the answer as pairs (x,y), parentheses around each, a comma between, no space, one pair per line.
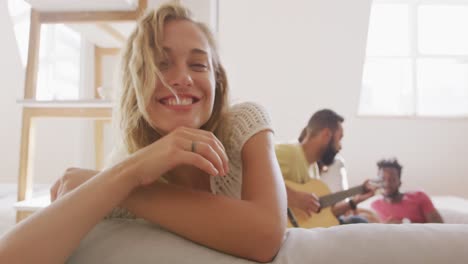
(242,122)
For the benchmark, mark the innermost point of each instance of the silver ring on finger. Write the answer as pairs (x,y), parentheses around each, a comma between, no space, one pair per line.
(194,147)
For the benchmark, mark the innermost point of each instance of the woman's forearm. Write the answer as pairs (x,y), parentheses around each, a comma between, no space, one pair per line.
(210,219)
(51,235)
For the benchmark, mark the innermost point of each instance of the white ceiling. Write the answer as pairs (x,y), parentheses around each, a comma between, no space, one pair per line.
(96,34)
(101,37)
(83,5)
(125,28)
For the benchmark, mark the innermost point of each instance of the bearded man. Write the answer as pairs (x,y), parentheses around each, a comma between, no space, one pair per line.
(319,141)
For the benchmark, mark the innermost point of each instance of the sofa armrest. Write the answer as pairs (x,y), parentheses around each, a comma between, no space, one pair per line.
(128,241)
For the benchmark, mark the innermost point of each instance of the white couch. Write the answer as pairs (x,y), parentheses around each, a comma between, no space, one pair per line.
(123,241)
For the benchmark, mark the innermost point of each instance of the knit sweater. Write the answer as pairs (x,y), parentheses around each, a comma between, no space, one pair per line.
(240,123)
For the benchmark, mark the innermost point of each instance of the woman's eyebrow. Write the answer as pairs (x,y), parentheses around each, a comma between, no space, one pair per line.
(199,51)
(196,51)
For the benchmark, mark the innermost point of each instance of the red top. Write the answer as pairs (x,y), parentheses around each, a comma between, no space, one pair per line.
(413,205)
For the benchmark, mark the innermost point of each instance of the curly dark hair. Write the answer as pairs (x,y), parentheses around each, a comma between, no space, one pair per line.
(324,118)
(390,163)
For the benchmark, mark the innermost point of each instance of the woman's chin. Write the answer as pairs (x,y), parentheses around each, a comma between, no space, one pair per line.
(169,128)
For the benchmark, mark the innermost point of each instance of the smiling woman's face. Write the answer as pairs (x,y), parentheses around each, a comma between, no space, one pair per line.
(188,69)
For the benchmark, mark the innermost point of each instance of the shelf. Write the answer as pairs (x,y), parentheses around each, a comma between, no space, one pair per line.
(93,109)
(108,16)
(91,103)
(33,204)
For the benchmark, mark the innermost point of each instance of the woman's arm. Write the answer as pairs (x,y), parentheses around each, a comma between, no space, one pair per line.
(51,235)
(252,228)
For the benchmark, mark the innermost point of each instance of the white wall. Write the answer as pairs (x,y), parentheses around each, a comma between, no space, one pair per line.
(11,79)
(298,56)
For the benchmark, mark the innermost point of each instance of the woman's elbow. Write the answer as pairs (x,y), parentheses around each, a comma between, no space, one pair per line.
(268,244)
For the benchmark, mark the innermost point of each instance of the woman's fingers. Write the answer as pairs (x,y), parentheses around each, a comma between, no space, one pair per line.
(206,152)
(208,134)
(54,190)
(72,178)
(219,148)
(198,161)
(200,138)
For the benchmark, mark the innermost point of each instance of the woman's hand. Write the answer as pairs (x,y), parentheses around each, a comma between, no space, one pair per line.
(183,146)
(72,178)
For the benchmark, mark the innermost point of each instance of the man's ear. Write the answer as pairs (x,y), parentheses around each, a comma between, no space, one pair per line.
(326,134)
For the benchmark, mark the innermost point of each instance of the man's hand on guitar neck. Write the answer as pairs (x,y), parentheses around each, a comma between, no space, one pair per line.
(307,202)
(369,191)
(342,207)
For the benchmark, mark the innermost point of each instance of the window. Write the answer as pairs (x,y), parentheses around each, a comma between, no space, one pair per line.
(59,63)
(416,59)
(59,55)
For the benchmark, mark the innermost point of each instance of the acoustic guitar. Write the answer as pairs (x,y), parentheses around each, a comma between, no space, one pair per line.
(325,218)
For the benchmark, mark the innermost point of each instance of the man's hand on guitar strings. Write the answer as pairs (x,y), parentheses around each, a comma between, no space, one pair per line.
(307,202)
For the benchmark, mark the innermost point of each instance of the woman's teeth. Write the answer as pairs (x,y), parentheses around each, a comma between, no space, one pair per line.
(182,101)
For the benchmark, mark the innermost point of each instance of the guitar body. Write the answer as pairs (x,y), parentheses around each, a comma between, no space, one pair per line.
(325,218)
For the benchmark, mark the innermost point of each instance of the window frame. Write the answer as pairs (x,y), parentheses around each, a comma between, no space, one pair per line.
(414,55)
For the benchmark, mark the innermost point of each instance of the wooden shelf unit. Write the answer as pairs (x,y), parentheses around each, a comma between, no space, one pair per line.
(98,110)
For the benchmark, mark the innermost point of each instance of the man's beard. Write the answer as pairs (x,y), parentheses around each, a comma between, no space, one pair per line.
(329,154)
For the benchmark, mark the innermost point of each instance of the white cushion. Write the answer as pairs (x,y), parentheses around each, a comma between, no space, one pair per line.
(125,241)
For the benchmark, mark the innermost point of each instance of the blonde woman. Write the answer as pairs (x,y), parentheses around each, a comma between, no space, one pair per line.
(188,156)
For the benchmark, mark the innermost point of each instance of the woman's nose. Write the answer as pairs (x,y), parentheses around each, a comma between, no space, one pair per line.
(180,78)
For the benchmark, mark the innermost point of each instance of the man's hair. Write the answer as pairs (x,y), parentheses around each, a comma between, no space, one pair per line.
(324,118)
(390,163)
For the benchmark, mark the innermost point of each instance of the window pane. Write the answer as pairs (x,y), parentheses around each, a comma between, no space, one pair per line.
(388,30)
(59,63)
(387,87)
(443,29)
(442,87)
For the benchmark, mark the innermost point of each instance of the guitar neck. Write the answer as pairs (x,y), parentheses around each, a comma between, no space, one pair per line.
(331,199)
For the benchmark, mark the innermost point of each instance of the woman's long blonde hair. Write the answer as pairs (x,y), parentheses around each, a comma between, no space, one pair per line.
(139,73)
